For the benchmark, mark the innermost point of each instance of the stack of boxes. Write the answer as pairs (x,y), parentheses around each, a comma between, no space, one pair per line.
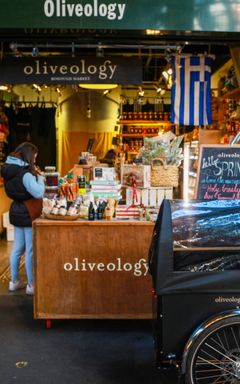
(9,227)
(144,193)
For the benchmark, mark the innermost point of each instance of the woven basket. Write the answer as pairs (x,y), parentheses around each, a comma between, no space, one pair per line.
(163,175)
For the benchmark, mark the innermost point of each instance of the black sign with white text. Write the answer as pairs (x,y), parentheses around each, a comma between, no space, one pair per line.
(219,172)
(68,70)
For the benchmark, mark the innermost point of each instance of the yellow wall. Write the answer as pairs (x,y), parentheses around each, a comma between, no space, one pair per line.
(74,128)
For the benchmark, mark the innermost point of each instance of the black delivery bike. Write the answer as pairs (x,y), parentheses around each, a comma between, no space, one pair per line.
(194,259)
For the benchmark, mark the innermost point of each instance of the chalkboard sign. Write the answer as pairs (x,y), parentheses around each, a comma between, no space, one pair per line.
(218,172)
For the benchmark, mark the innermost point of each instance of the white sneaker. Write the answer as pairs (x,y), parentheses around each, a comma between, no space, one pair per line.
(14,286)
(29,289)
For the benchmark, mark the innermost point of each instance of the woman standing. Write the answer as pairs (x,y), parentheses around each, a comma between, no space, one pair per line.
(24,184)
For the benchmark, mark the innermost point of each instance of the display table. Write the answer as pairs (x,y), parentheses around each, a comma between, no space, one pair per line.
(92,269)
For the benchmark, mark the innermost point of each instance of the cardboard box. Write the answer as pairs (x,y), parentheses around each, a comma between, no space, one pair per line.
(152,197)
(10,232)
(164,193)
(104,173)
(129,197)
(126,212)
(141,173)
(77,171)
(5,216)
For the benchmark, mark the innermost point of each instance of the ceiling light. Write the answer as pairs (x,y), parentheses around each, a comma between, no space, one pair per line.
(37,87)
(35,52)
(153,32)
(141,92)
(106,92)
(98,86)
(165,74)
(158,89)
(99,51)
(3,87)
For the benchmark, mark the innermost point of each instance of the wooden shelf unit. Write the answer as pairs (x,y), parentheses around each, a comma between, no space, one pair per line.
(234,94)
(144,122)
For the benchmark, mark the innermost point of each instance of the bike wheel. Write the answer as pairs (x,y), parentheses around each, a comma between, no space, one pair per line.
(214,357)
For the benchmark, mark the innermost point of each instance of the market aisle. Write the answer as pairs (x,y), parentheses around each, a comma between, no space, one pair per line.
(73,352)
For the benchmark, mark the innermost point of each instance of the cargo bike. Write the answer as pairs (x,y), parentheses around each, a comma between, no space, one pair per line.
(194,259)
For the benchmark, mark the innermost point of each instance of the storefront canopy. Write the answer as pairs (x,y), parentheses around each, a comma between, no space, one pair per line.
(187,15)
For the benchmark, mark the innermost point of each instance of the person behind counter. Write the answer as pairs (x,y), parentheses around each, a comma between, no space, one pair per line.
(24,184)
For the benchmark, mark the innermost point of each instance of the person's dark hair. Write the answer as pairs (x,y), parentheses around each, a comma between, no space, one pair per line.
(26,152)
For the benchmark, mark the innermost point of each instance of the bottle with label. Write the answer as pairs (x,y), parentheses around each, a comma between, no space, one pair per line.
(100,211)
(81,185)
(91,212)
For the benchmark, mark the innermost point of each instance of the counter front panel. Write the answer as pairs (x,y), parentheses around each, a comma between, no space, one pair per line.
(92,269)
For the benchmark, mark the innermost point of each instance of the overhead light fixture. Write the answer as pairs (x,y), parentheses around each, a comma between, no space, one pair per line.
(37,87)
(98,86)
(158,88)
(35,52)
(153,32)
(141,92)
(3,87)
(89,111)
(165,74)
(14,48)
(99,51)
(106,92)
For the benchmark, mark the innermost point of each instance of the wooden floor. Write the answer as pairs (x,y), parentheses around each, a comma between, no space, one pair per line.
(5,250)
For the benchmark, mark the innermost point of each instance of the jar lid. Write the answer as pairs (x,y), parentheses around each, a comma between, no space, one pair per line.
(51,173)
(50,168)
(51,188)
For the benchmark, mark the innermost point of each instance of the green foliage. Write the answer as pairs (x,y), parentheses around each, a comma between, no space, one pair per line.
(170,153)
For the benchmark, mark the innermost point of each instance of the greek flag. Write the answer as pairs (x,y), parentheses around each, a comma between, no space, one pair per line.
(191,90)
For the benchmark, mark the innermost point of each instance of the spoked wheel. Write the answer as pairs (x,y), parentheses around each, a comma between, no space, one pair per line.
(214,357)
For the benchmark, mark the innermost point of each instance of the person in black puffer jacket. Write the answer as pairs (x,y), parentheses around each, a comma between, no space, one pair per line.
(23,181)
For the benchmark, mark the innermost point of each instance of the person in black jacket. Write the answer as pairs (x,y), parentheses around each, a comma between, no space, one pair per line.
(23,181)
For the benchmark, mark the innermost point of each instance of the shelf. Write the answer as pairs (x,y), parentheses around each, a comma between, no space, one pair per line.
(144,122)
(137,134)
(234,94)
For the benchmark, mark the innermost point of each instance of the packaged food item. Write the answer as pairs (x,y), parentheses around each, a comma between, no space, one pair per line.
(62,211)
(51,179)
(55,210)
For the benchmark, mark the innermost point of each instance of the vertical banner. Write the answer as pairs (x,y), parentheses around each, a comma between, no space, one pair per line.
(191,92)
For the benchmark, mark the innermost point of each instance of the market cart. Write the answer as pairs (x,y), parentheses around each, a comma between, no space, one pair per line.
(194,260)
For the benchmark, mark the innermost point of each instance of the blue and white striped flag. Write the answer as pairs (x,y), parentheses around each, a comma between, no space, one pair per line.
(191,90)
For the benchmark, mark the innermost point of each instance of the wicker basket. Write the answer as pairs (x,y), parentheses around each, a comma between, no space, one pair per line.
(163,175)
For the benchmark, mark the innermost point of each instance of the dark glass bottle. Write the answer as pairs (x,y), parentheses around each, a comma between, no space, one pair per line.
(100,212)
(91,212)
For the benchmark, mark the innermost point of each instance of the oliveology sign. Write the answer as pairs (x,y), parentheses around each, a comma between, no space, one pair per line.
(168,15)
(67,70)
(61,8)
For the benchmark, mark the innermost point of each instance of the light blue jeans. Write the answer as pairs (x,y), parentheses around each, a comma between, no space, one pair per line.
(22,242)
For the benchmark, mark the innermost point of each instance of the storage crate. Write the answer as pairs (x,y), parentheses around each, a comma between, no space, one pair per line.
(10,232)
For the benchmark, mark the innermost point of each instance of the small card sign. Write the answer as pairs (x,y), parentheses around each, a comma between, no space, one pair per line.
(218,172)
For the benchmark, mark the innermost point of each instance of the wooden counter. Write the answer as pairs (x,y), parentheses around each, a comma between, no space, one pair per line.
(92,269)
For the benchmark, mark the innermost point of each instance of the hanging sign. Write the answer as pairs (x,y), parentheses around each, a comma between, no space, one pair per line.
(67,70)
(218,172)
